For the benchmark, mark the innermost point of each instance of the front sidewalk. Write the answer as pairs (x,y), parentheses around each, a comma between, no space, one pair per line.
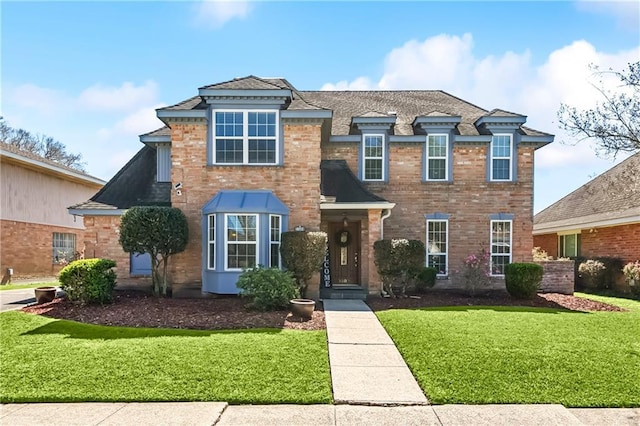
(219,413)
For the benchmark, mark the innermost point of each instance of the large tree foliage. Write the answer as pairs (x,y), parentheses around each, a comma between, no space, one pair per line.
(615,121)
(40,145)
(159,231)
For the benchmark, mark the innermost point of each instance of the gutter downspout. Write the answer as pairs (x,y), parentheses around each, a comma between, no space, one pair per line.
(384,216)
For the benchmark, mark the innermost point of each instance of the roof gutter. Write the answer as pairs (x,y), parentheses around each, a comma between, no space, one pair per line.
(383,205)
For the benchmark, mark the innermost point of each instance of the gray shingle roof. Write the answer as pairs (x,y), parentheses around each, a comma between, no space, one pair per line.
(162,131)
(614,194)
(408,104)
(337,180)
(134,185)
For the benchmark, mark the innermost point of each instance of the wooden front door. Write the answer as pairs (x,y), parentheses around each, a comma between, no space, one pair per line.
(344,253)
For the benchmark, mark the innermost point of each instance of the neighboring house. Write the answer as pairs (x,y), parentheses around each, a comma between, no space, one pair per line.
(250,158)
(37,231)
(601,218)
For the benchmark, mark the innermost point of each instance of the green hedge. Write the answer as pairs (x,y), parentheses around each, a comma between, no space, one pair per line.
(523,279)
(89,281)
(397,261)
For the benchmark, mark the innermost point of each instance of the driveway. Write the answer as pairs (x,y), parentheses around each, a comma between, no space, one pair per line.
(15,299)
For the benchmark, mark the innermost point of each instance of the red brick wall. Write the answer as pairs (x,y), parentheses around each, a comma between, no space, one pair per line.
(618,241)
(27,248)
(296,184)
(469,199)
(548,243)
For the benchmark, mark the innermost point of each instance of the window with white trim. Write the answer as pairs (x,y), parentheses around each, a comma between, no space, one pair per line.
(569,245)
(501,150)
(275,230)
(211,253)
(437,246)
(437,150)
(373,157)
(241,241)
(63,247)
(245,137)
(500,245)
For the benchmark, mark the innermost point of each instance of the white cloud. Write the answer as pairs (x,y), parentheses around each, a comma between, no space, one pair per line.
(625,12)
(216,13)
(127,97)
(510,81)
(39,99)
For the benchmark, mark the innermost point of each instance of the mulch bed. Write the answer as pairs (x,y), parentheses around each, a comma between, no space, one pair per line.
(137,309)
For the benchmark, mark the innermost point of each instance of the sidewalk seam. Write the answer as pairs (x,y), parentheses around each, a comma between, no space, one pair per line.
(110,415)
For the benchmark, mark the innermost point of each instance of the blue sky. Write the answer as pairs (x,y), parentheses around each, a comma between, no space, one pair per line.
(91,74)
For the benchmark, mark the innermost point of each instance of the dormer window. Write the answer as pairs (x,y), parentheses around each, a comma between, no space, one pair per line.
(437,156)
(373,158)
(245,137)
(501,151)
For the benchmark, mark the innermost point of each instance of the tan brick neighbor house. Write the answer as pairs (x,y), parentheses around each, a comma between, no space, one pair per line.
(252,157)
(37,232)
(601,218)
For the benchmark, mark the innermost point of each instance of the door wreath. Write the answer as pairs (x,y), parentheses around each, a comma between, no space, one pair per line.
(343,238)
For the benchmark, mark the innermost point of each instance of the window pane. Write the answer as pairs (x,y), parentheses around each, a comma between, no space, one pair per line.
(501,146)
(228,124)
(63,247)
(212,255)
(498,263)
(274,261)
(500,246)
(228,151)
(437,169)
(439,262)
(373,169)
(437,245)
(438,146)
(501,169)
(262,151)
(275,228)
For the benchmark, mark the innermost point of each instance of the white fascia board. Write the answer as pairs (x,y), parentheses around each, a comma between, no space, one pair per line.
(51,167)
(357,206)
(550,228)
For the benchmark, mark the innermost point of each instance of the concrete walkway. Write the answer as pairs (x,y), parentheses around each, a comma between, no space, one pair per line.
(219,414)
(366,367)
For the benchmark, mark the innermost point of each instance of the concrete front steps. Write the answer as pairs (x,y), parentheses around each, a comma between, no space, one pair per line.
(345,291)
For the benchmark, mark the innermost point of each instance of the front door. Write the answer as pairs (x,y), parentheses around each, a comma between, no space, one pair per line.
(344,253)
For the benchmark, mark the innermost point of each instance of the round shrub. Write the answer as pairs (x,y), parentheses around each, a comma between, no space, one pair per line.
(89,281)
(425,278)
(523,279)
(270,288)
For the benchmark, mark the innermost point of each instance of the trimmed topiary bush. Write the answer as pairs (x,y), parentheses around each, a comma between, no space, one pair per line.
(302,254)
(523,279)
(89,281)
(270,288)
(395,260)
(424,278)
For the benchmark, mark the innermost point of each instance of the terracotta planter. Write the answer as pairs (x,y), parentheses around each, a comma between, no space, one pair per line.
(302,308)
(45,294)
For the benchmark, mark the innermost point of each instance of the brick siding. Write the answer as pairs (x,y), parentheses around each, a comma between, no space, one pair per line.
(558,277)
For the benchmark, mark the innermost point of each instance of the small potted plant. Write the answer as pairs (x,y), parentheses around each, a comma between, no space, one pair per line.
(302,254)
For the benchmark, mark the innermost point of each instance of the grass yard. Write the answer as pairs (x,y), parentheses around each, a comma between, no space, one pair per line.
(31,285)
(485,355)
(62,361)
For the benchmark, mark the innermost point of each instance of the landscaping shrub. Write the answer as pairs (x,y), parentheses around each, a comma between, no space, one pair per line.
(270,288)
(89,281)
(302,254)
(523,279)
(592,273)
(424,278)
(476,271)
(395,260)
(602,280)
(632,274)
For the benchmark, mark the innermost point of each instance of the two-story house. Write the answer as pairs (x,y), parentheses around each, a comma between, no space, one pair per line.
(252,157)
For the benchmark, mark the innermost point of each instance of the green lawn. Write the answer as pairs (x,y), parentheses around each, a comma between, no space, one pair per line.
(31,285)
(483,355)
(54,360)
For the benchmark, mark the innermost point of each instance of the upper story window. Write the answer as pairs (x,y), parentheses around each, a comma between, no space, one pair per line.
(245,137)
(501,154)
(437,150)
(373,158)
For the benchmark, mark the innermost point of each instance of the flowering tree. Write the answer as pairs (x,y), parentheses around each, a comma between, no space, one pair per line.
(476,271)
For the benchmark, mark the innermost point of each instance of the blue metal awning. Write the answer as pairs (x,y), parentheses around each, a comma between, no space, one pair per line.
(236,201)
